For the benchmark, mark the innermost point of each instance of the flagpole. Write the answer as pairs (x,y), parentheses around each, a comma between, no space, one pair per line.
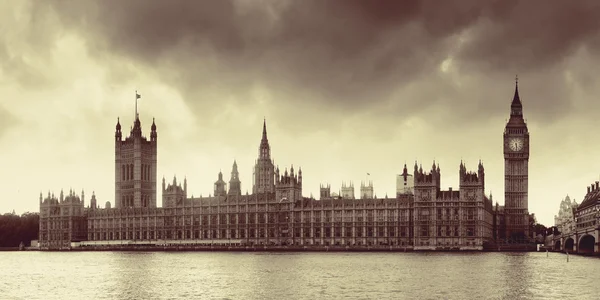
(136,98)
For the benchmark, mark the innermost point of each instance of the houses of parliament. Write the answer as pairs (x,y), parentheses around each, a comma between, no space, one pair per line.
(421,216)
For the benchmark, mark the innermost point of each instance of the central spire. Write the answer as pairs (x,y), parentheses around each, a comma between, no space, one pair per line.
(264,134)
(264,149)
(516,99)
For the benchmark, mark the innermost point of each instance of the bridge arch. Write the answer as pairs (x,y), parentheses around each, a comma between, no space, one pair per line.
(557,246)
(586,244)
(569,244)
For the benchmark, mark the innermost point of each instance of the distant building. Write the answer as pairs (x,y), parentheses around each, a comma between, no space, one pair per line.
(565,220)
(577,225)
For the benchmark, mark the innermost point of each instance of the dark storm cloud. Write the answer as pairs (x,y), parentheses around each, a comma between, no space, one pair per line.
(532,35)
(350,54)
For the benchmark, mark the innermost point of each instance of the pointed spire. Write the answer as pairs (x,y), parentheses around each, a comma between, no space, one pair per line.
(516,99)
(264,133)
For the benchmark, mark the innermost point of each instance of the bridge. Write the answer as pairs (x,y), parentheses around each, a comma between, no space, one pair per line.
(580,242)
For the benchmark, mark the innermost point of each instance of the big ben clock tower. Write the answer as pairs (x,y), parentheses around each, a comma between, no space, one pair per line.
(516,161)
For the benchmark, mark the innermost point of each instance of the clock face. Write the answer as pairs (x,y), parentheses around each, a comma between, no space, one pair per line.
(515,144)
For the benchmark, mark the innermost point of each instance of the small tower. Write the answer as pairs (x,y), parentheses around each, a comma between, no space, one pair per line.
(235,186)
(93,205)
(481,174)
(347,191)
(173,194)
(220,190)
(289,187)
(153,134)
(185,185)
(366,190)
(325,191)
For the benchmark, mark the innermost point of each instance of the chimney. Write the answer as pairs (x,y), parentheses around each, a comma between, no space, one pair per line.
(597,185)
(588,189)
(450,189)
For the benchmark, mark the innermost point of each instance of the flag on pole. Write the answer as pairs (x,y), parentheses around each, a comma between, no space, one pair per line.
(137,96)
(368,174)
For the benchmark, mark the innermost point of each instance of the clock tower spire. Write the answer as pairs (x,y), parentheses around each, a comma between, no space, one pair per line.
(516,170)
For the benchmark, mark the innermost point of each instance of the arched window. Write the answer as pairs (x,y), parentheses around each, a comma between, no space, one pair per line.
(130,171)
(122,172)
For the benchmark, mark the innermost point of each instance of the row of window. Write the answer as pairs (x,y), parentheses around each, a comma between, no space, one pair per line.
(447,231)
(348,232)
(127,172)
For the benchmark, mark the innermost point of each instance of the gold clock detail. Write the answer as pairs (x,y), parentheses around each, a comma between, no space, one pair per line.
(515,144)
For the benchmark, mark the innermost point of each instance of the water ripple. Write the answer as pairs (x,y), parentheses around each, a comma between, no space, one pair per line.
(206,275)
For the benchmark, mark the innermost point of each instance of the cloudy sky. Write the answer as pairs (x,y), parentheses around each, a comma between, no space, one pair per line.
(347,87)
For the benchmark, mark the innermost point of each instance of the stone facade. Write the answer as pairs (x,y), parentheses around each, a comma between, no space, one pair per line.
(62,220)
(284,216)
(451,219)
(587,220)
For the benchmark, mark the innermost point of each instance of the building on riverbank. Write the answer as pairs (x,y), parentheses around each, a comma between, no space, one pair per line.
(276,214)
(421,216)
(578,225)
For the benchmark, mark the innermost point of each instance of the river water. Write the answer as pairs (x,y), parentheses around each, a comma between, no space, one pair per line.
(234,275)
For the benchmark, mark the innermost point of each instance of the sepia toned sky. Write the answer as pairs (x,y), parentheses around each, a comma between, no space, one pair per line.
(347,88)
